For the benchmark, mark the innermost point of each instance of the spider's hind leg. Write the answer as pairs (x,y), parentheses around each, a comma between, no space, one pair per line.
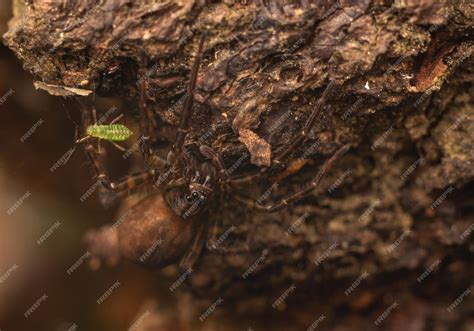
(216,240)
(303,134)
(194,250)
(147,121)
(297,141)
(213,235)
(299,194)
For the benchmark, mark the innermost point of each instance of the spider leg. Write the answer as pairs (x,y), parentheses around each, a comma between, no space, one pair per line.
(192,254)
(215,231)
(94,119)
(300,138)
(308,126)
(292,168)
(73,149)
(96,156)
(246,178)
(129,183)
(214,228)
(294,196)
(147,121)
(78,141)
(115,120)
(216,159)
(123,149)
(94,115)
(186,114)
(213,234)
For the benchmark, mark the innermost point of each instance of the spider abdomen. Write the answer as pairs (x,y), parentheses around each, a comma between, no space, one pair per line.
(114,132)
(152,234)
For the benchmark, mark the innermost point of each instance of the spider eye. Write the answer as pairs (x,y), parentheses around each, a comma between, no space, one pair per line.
(188,198)
(195,195)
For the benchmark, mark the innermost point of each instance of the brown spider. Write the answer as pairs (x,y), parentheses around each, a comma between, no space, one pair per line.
(187,181)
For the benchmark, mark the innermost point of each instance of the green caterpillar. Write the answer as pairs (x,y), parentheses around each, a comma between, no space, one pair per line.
(111,132)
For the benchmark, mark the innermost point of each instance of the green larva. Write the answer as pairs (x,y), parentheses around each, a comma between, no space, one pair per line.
(111,132)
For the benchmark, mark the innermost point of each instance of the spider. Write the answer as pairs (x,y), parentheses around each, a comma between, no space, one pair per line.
(188,180)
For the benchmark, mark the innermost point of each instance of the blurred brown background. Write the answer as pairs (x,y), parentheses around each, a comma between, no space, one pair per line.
(29,270)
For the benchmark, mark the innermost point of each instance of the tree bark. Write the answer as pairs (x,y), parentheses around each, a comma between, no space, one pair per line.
(397,206)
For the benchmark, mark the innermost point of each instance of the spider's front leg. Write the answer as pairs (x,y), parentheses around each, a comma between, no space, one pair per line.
(128,183)
(183,128)
(297,141)
(96,132)
(299,194)
(303,135)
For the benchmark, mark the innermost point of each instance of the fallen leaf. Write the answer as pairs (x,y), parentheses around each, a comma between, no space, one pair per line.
(260,151)
(62,91)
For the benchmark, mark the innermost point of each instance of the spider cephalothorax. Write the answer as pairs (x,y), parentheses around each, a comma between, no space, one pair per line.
(187,183)
(197,189)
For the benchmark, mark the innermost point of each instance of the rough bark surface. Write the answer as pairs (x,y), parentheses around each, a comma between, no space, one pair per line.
(398,203)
